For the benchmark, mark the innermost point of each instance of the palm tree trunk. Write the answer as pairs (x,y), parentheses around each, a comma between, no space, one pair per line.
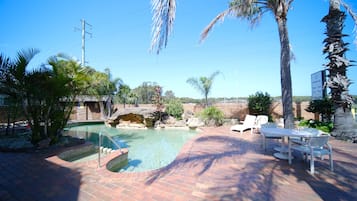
(343,119)
(286,88)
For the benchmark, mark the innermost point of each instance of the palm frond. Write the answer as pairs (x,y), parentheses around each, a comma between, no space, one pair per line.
(194,82)
(250,10)
(4,62)
(163,19)
(213,75)
(219,17)
(23,59)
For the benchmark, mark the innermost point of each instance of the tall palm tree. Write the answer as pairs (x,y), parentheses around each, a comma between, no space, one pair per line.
(252,10)
(203,84)
(337,65)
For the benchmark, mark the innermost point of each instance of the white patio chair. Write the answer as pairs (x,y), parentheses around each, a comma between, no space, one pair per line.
(248,123)
(261,119)
(317,146)
(302,141)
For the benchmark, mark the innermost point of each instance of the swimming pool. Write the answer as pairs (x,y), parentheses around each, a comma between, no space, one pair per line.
(149,149)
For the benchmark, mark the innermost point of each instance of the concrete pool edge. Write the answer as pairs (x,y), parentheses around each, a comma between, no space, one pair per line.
(107,162)
(184,152)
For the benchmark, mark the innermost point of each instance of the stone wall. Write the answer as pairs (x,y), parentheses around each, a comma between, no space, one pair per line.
(239,110)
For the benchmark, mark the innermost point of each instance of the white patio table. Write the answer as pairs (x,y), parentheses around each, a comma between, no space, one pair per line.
(284,152)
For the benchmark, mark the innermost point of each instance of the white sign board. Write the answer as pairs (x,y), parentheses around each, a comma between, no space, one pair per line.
(317,85)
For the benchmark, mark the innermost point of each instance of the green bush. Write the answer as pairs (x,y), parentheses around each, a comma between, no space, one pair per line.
(259,103)
(323,107)
(322,126)
(175,108)
(212,113)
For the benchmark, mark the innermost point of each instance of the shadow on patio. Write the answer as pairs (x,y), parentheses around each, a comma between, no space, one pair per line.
(226,166)
(29,176)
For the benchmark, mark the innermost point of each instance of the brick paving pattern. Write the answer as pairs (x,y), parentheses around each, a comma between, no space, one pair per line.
(217,164)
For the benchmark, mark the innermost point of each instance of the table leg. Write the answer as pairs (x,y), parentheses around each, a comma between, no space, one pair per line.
(289,151)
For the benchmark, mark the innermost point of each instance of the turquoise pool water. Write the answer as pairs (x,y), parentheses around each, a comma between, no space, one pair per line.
(148,149)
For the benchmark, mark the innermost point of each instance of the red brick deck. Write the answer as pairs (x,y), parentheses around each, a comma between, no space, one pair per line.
(216,165)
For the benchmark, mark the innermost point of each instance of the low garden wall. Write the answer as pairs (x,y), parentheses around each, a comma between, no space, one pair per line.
(240,109)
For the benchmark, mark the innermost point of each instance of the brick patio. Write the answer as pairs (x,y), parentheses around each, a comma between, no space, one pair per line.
(216,165)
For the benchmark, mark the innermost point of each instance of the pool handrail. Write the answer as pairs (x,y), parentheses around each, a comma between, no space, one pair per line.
(100,142)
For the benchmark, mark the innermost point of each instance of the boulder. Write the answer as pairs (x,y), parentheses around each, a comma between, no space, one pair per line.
(194,122)
(187,115)
(133,117)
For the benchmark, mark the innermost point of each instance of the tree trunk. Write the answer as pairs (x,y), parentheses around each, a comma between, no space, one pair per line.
(343,125)
(343,119)
(286,88)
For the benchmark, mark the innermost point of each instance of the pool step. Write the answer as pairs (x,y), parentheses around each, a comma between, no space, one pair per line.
(105,150)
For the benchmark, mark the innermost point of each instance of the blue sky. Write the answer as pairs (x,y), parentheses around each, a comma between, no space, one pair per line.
(248,58)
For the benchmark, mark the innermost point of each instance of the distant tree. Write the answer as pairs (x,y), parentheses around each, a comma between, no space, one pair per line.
(203,84)
(133,98)
(169,95)
(102,85)
(123,93)
(145,92)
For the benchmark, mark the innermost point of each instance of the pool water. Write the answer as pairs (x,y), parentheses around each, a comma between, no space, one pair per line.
(149,149)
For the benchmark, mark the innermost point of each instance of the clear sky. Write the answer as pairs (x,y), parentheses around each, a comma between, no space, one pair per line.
(248,59)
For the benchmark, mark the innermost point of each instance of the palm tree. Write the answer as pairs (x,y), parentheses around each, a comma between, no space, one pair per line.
(252,10)
(337,65)
(13,76)
(203,84)
(112,86)
(123,93)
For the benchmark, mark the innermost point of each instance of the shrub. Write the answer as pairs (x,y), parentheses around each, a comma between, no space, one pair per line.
(175,108)
(259,103)
(322,126)
(212,114)
(323,107)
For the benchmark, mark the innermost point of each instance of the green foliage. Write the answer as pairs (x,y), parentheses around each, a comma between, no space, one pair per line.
(46,94)
(259,103)
(123,94)
(212,113)
(323,126)
(323,107)
(145,92)
(175,108)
